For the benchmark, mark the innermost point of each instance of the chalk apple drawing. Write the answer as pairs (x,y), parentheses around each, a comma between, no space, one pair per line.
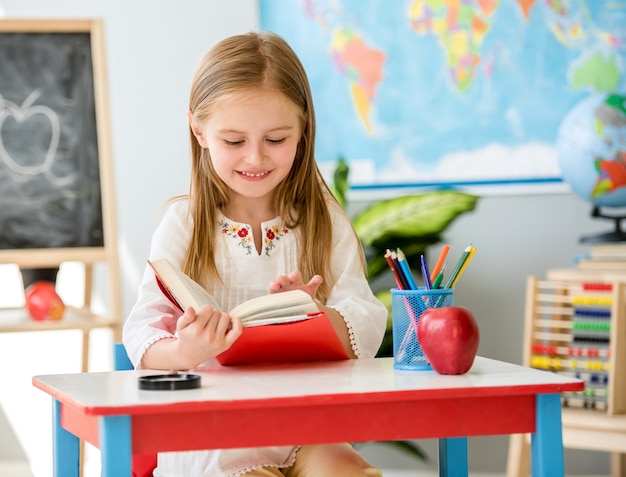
(21,114)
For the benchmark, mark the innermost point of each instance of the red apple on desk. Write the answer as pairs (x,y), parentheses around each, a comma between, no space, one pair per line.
(43,302)
(449,337)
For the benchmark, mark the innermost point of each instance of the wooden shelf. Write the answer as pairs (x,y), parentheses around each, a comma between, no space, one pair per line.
(17,320)
(576,275)
(46,257)
(584,429)
(585,419)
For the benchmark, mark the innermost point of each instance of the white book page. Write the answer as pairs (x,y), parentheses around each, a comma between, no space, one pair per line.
(195,295)
(277,320)
(185,290)
(276,301)
(281,312)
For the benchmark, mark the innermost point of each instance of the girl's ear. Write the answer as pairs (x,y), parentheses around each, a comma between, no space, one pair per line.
(197,132)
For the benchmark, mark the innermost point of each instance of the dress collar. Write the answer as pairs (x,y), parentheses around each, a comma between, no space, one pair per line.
(240,234)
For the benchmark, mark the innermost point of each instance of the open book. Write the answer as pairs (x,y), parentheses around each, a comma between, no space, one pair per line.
(279,327)
(275,308)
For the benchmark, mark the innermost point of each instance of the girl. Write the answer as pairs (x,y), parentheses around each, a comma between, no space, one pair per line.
(258,217)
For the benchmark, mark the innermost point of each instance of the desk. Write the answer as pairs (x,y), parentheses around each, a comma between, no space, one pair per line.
(353,401)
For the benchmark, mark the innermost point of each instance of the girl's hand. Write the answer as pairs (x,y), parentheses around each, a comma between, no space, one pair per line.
(294,281)
(205,334)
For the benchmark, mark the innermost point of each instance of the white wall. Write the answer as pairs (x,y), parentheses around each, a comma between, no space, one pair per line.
(152,49)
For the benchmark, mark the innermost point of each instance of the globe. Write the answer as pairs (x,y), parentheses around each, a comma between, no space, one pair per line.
(591,148)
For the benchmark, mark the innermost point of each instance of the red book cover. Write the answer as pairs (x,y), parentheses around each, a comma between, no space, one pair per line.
(313,339)
(303,339)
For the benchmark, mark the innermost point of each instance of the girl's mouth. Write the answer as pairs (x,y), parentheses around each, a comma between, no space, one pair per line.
(254,175)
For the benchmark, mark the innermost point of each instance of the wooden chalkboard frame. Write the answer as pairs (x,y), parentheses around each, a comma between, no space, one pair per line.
(50,257)
(105,253)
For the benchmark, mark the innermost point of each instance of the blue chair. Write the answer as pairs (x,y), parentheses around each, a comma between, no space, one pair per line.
(121,362)
(143,465)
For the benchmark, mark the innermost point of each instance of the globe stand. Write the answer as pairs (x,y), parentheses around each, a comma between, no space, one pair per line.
(616,236)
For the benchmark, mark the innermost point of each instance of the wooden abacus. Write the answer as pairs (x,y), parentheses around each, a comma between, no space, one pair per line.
(573,328)
(576,327)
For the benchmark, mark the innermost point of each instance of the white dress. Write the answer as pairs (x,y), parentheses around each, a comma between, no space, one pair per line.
(247,274)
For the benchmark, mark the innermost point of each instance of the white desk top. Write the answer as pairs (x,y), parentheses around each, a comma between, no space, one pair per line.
(118,392)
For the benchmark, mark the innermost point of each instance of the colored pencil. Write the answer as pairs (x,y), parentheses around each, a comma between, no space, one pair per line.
(438,279)
(440,260)
(427,283)
(403,279)
(464,266)
(406,270)
(393,269)
(458,266)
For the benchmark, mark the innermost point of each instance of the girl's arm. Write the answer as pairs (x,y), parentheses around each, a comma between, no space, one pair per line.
(339,324)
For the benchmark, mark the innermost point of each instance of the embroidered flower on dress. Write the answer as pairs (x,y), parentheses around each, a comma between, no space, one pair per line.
(243,234)
(240,232)
(273,235)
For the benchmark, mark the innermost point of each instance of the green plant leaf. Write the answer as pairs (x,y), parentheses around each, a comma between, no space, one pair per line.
(412,216)
(407,447)
(386,348)
(376,263)
(340,181)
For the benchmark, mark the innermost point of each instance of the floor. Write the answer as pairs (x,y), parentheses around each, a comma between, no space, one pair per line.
(23,470)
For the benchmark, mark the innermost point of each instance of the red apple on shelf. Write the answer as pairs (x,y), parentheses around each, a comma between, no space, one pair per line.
(43,302)
(449,337)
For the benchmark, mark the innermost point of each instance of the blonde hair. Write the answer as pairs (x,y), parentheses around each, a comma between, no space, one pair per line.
(247,62)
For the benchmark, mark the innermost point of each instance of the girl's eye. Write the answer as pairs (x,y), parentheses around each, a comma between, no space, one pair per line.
(239,143)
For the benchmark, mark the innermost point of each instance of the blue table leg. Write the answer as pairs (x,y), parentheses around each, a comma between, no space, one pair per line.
(115,445)
(453,457)
(66,451)
(547,441)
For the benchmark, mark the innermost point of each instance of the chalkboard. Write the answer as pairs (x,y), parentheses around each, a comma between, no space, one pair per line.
(50,175)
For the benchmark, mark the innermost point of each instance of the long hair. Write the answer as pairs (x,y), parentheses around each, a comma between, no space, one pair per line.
(261,61)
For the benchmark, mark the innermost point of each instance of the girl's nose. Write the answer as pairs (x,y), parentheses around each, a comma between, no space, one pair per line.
(256,154)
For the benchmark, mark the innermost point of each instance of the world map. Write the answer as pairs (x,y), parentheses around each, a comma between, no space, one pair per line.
(440,92)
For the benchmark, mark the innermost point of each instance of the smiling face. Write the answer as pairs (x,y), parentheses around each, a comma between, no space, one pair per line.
(252,138)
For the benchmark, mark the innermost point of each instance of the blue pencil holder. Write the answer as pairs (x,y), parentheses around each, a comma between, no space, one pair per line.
(407,307)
